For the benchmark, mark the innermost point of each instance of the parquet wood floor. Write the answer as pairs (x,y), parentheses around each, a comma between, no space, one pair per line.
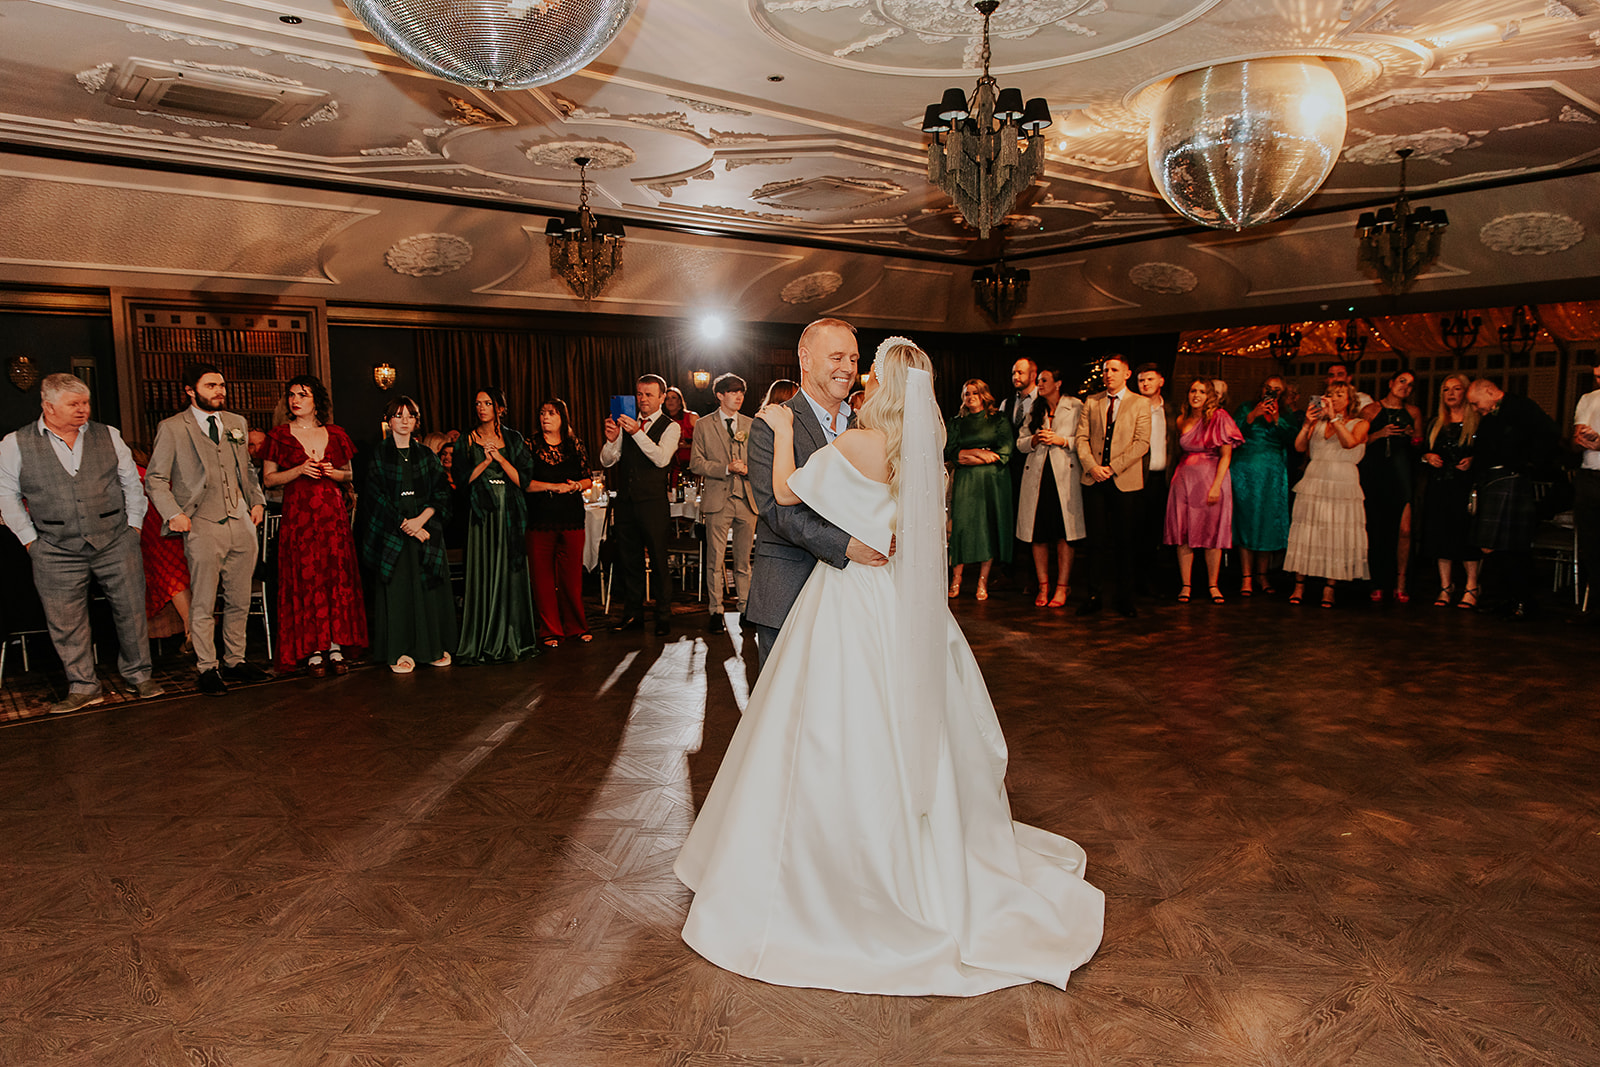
(1326,838)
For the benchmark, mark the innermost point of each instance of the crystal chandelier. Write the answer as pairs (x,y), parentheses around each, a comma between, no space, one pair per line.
(985,151)
(1000,290)
(1243,143)
(586,251)
(495,44)
(1398,242)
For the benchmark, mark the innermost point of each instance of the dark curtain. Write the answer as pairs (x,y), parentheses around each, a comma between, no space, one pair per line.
(582,369)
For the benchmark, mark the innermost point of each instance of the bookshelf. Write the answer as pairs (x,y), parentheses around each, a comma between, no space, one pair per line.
(258,345)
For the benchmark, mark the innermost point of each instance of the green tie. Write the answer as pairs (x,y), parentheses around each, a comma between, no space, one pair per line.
(216,438)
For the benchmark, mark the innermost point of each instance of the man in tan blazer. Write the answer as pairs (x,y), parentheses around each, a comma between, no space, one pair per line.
(202,482)
(1113,475)
(718,455)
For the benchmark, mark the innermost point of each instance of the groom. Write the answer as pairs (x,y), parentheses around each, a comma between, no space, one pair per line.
(790,540)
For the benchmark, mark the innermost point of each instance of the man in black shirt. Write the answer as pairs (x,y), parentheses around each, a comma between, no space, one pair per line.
(1514,440)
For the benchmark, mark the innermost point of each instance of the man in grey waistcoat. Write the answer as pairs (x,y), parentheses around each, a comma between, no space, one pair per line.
(202,482)
(70,492)
(791,539)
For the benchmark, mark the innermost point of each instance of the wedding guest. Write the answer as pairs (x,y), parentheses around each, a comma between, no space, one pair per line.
(320,609)
(1158,464)
(1388,478)
(166,573)
(1586,482)
(406,500)
(555,525)
(979,441)
(1446,515)
(70,491)
(639,450)
(493,465)
(1200,502)
(674,407)
(1050,512)
(1339,371)
(1017,407)
(1328,530)
(202,482)
(1260,475)
(1515,439)
(1113,437)
(722,462)
(779,392)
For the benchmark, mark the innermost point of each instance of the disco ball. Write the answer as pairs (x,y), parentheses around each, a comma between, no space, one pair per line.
(495,44)
(1241,144)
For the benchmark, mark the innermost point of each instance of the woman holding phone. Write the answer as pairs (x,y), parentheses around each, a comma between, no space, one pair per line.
(1328,533)
(321,617)
(1261,482)
(1388,478)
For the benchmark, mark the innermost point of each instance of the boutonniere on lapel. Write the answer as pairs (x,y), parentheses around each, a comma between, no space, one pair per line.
(742,436)
(235,435)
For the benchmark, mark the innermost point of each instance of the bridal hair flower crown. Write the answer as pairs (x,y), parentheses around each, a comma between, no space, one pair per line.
(890,342)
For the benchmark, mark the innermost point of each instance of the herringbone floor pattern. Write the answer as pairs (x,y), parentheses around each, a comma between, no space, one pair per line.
(1325,838)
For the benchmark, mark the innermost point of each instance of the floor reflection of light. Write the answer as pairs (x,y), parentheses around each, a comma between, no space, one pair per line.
(611,679)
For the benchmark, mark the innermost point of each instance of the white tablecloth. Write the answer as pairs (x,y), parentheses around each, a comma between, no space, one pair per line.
(594,531)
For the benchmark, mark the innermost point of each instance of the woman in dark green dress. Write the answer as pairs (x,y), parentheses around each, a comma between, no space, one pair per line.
(405,503)
(979,441)
(1260,472)
(492,464)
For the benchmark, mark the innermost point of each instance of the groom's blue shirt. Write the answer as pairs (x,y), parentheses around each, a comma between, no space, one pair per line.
(823,415)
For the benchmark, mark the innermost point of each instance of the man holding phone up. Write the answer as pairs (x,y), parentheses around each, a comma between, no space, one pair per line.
(638,452)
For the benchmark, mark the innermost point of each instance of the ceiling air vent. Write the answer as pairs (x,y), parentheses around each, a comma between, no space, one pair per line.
(149,85)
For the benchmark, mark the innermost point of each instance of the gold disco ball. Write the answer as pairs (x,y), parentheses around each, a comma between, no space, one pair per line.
(1244,143)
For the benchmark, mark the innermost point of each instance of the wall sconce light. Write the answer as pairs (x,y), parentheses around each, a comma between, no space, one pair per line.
(383,376)
(700,378)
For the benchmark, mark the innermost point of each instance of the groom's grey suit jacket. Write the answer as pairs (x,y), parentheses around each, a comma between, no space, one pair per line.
(789,539)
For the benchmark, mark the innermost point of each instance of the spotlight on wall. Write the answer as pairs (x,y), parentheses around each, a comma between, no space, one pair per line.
(701,379)
(712,327)
(383,376)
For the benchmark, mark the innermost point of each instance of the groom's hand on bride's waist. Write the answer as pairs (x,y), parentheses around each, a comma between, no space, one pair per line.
(860,552)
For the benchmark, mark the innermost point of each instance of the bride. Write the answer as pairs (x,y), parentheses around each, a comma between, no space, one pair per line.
(858,835)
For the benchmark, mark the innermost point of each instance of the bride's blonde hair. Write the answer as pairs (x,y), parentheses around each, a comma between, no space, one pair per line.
(885,409)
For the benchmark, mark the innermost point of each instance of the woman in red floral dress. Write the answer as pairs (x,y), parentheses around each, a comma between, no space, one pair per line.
(322,621)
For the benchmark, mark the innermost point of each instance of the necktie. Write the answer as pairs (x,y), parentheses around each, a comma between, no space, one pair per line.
(1111,425)
(730,428)
(216,438)
(1016,410)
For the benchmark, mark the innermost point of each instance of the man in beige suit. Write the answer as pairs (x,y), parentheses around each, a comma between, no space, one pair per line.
(202,482)
(1113,437)
(718,455)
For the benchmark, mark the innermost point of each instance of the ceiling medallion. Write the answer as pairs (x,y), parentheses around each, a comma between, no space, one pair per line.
(602,155)
(1532,233)
(814,286)
(1168,279)
(584,250)
(985,151)
(1399,242)
(1241,144)
(495,44)
(428,255)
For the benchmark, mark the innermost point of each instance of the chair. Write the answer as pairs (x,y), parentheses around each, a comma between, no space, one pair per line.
(21,614)
(1556,542)
(260,607)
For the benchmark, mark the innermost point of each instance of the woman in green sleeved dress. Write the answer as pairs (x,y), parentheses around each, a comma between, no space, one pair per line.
(492,464)
(979,442)
(405,504)
(1260,472)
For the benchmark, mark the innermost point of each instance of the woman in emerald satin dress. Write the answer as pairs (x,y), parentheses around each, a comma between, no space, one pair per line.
(979,441)
(1261,482)
(406,502)
(492,464)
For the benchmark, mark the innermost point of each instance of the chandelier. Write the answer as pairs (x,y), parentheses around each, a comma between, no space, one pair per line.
(1000,290)
(1353,344)
(1398,242)
(495,44)
(1284,345)
(586,251)
(985,151)
(1243,143)
(1459,331)
(1518,335)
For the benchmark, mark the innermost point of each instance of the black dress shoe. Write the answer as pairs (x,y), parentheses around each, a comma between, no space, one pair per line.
(632,622)
(211,684)
(715,624)
(245,673)
(663,627)
(1090,606)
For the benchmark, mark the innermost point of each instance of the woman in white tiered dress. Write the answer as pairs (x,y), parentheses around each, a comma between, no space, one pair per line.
(1328,530)
(858,836)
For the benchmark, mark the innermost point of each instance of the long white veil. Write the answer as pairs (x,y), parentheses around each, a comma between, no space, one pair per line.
(919,575)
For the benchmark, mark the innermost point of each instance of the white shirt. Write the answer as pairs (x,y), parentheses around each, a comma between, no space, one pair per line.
(823,416)
(1158,433)
(12,509)
(1588,414)
(729,421)
(659,453)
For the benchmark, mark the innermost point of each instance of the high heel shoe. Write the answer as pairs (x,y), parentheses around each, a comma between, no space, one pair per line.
(983,589)
(1401,597)
(1183,594)
(1327,596)
(1216,596)
(1466,604)
(955,588)
(1043,599)
(1060,599)
(1446,596)
(1299,594)
(1246,587)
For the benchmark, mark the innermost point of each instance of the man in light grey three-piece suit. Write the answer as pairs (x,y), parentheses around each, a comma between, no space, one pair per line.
(720,456)
(202,482)
(791,539)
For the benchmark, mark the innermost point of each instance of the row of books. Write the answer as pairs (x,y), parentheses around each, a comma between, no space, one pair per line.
(259,419)
(196,342)
(261,368)
(169,396)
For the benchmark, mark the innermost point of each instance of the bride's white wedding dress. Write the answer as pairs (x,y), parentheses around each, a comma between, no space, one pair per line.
(854,841)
